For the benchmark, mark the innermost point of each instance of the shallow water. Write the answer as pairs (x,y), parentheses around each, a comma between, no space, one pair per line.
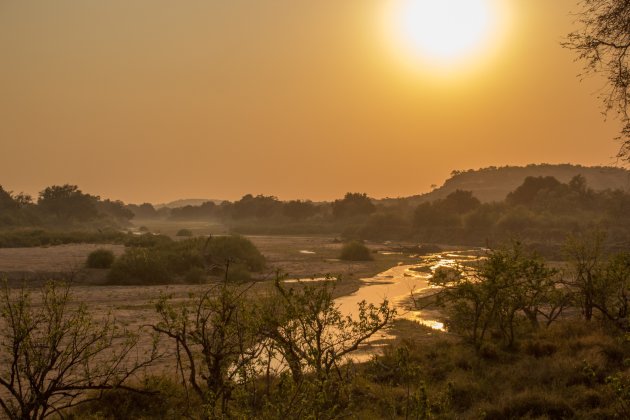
(397,285)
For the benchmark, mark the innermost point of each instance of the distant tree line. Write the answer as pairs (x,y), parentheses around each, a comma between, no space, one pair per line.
(61,206)
(541,210)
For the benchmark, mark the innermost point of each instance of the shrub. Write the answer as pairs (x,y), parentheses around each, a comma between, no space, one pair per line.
(532,404)
(540,349)
(100,258)
(463,393)
(39,237)
(184,232)
(162,398)
(147,240)
(166,259)
(140,266)
(238,274)
(355,251)
(52,348)
(220,249)
(195,275)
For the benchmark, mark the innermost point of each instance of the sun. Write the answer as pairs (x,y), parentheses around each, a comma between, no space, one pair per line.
(443,34)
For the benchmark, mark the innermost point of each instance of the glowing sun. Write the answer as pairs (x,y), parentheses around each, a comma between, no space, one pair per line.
(443,32)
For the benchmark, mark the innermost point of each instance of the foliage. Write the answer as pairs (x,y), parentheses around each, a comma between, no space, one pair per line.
(228,345)
(202,212)
(430,215)
(459,202)
(355,251)
(140,266)
(527,193)
(147,240)
(600,283)
(234,248)
(380,226)
(602,43)
(259,207)
(100,258)
(51,353)
(311,333)
(508,287)
(40,237)
(67,203)
(184,232)
(299,210)
(216,339)
(352,205)
(143,211)
(163,397)
(155,259)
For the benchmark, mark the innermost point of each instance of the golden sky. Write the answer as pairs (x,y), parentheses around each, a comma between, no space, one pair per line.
(153,100)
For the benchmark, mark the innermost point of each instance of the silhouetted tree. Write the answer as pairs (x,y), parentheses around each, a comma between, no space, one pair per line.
(204,211)
(115,209)
(460,202)
(298,209)
(603,43)
(143,211)
(508,286)
(430,215)
(67,203)
(259,206)
(527,193)
(6,200)
(53,353)
(353,204)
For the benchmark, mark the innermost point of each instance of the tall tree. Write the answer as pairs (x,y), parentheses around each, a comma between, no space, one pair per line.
(68,203)
(602,43)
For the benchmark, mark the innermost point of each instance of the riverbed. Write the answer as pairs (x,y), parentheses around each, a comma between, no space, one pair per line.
(397,285)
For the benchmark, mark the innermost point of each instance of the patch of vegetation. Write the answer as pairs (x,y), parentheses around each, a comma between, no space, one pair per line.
(156,259)
(100,258)
(140,266)
(52,348)
(184,232)
(524,341)
(355,251)
(40,237)
(235,248)
(147,240)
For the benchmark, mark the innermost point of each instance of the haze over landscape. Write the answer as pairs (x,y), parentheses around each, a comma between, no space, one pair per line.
(156,101)
(280,209)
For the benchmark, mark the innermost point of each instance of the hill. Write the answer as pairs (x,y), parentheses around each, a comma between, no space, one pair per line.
(494,183)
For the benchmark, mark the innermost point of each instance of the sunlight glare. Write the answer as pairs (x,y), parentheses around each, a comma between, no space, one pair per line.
(443,33)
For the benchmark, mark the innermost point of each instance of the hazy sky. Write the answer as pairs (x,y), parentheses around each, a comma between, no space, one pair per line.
(153,100)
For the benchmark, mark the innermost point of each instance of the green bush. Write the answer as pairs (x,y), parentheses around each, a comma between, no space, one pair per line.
(195,275)
(161,398)
(238,274)
(184,232)
(234,248)
(100,258)
(140,266)
(355,251)
(38,237)
(147,240)
(162,260)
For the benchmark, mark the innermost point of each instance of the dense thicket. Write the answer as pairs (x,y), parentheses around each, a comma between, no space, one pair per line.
(61,206)
(156,259)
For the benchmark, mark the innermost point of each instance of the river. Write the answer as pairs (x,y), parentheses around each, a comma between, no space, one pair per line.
(397,285)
